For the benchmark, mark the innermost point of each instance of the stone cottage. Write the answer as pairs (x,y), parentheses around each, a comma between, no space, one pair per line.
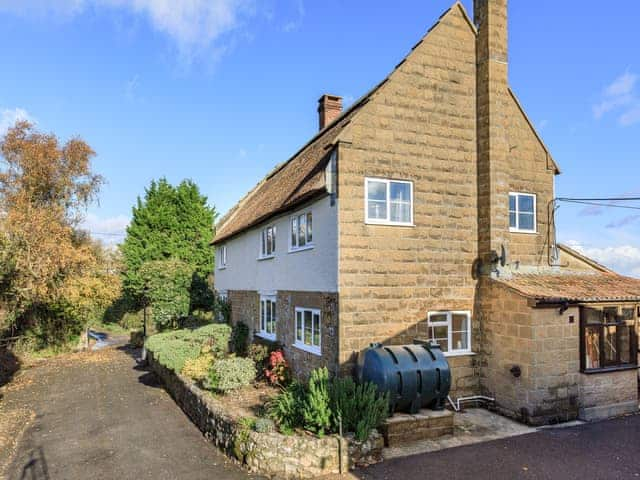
(425,210)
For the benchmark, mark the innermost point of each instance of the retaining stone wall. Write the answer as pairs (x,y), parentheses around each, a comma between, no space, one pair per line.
(271,454)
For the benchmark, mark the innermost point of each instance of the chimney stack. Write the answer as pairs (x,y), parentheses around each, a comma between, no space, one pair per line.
(329,108)
(493,100)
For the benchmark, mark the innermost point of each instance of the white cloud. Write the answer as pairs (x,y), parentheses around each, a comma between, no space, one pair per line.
(621,96)
(9,117)
(623,259)
(110,229)
(196,26)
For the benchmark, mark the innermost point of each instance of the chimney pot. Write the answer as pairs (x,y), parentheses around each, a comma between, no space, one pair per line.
(329,108)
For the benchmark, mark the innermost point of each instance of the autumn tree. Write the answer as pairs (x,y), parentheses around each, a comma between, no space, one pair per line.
(171,223)
(45,187)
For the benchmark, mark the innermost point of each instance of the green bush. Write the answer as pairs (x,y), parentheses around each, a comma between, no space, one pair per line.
(359,406)
(286,408)
(231,373)
(240,339)
(198,368)
(259,353)
(317,410)
(173,348)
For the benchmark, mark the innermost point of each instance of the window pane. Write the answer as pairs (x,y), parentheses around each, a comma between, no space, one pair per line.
(525,221)
(438,318)
(400,192)
(610,345)
(263,322)
(592,316)
(592,347)
(512,203)
(460,341)
(264,244)
(309,228)
(376,190)
(624,332)
(316,330)
(299,326)
(610,314)
(400,212)
(525,203)
(440,332)
(307,327)
(460,322)
(377,210)
(294,232)
(273,239)
(628,314)
(302,230)
(267,327)
(512,220)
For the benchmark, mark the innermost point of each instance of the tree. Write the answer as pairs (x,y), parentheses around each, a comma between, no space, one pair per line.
(171,223)
(45,188)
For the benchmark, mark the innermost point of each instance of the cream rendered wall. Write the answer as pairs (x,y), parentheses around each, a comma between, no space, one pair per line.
(312,270)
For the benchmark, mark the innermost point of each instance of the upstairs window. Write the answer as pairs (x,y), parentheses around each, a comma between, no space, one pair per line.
(522,212)
(222,257)
(268,317)
(451,330)
(268,242)
(608,338)
(388,202)
(302,231)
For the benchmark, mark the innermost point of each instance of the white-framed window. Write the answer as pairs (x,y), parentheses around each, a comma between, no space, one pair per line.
(223,295)
(522,212)
(308,330)
(301,237)
(451,330)
(388,202)
(222,257)
(268,317)
(268,242)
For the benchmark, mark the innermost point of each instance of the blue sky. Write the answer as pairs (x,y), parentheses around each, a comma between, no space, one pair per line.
(221,90)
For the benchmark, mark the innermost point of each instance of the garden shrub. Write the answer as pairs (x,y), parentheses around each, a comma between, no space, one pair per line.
(231,373)
(173,348)
(277,370)
(286,408)
(264,425)
(316,411)
(198,368)
(240,339)
(359,406)
(259,353)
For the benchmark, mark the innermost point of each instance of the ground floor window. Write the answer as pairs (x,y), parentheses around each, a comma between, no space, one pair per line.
(308,329)
(268,317)
(451,330)
(608,337)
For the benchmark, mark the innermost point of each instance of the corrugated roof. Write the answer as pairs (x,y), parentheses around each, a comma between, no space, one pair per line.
(574,286)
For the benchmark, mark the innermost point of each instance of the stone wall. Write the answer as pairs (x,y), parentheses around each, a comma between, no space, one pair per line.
(271,454)
(419,126)
(604,395)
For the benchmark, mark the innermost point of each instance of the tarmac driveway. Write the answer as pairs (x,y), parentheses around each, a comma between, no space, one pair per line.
(97,416)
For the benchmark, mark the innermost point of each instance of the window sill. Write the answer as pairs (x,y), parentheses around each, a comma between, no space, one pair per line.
(301,249)
(266,336)
(389,224)
(266,257)
(459,354)
(222,268)
(526,232)
(617,368)
(307,348)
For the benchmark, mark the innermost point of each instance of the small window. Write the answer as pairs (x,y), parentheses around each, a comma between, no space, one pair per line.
(223,303)
(308,334)
(268,242)
(450,330)
(388,202)
(302,231)
(268,317)
(608,338)
(222,257)
(522,212)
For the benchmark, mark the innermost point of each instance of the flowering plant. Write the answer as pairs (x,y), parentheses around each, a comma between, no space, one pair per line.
(277,371)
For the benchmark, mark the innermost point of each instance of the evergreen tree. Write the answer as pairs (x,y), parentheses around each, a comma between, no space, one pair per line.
(170,223)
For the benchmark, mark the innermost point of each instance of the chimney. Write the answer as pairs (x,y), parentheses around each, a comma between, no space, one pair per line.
(492,127)
(329,108)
